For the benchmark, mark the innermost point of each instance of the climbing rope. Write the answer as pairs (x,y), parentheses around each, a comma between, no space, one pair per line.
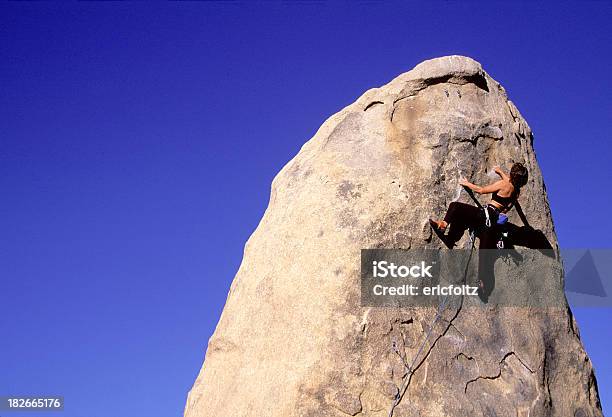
(441,307)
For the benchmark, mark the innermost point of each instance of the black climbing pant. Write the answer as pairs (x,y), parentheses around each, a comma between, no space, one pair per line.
(463,216)
(460,217)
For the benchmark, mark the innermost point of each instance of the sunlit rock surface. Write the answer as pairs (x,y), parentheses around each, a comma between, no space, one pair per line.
(293,339)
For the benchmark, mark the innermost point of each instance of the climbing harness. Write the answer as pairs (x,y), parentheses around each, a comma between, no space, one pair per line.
(502,220)
(488,218)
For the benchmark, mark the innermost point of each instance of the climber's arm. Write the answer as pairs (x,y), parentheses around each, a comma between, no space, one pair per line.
(491,188)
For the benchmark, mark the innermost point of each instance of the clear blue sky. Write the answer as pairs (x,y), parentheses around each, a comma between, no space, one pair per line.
(138,142)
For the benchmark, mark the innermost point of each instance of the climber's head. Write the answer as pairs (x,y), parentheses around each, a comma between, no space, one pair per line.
(518,175)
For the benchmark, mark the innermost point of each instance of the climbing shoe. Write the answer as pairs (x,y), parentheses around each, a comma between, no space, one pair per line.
(440,233)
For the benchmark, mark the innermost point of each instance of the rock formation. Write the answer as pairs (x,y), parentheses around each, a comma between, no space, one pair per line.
(294,340)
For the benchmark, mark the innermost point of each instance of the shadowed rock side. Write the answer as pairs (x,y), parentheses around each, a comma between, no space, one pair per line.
(293,339)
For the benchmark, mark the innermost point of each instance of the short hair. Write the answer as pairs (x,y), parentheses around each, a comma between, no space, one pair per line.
(518,175)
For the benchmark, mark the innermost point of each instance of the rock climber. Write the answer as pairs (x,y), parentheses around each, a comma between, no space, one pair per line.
(484,220)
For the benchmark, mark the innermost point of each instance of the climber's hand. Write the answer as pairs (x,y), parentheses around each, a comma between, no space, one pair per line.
(501,173)
(464,182)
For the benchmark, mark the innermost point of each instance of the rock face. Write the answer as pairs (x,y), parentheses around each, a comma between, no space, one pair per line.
(293,339)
